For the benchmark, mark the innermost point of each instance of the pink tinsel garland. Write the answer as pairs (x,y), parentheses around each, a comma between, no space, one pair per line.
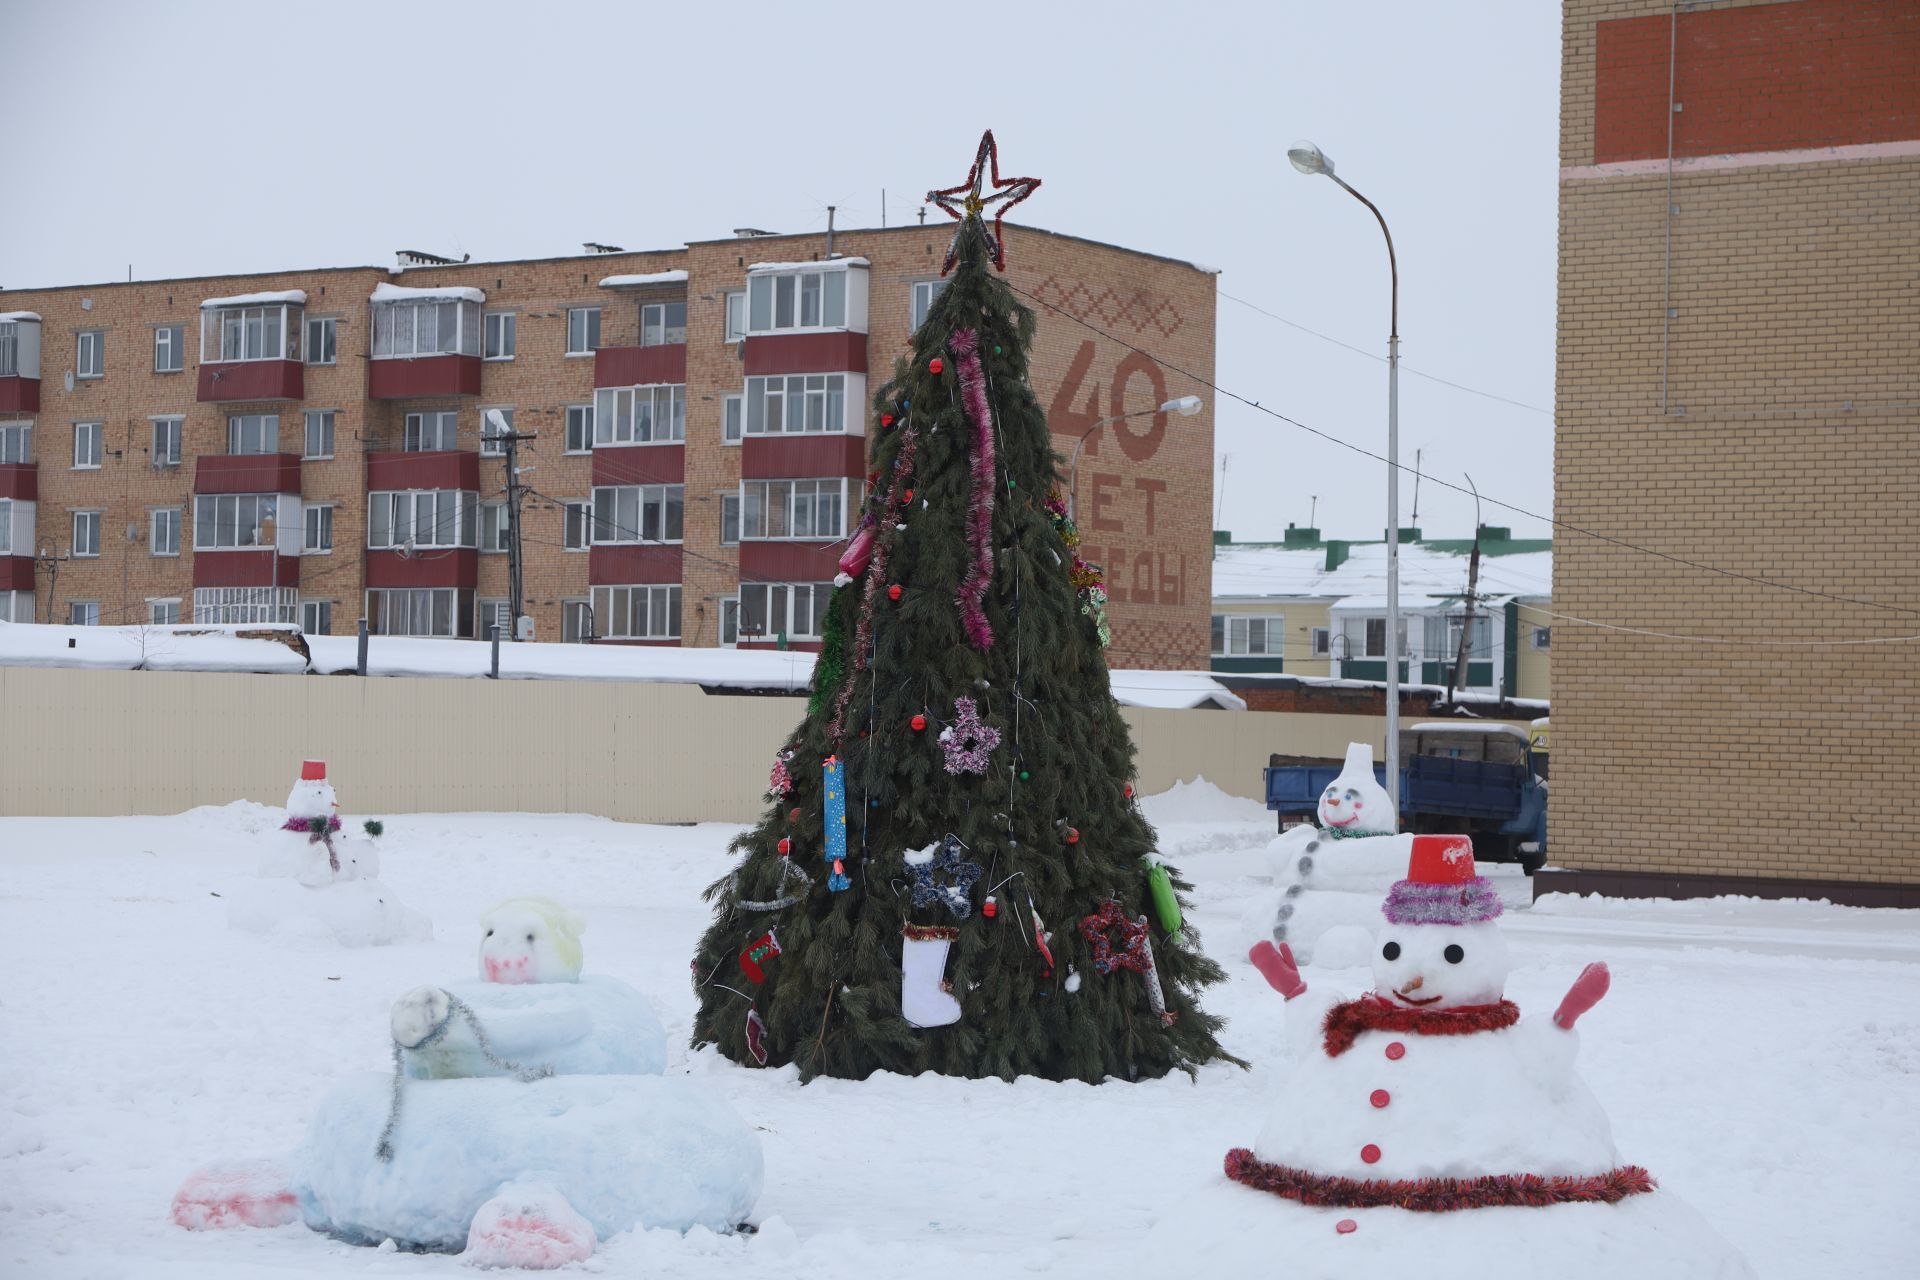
(1437,1195)
(876,573)
(973,394)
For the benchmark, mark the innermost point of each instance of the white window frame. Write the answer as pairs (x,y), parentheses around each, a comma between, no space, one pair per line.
(320,621)
(419,600)
(493,541)
(88,528)
(622,513)
(168,433)
(590,330)
(491,446)
(414,437)
(253,428)
(316,537)
(1322,642)
(785,595)
(392,320)
(1239,639)
(614,609)
(576,524)
(9,356)
(245,605)
(327,421)
(503,325)
(733,418)
(89,459)
(454,519)
(920,299)
(250,514)
(730,501)
(655,319)
(6,542)
(797,502)
(158,606)
(163,531)
(729,620)
(487,612)
(779,301)
(90,354)
(1542,639)
(574,612)
(322,340)
(579,428)
(168,343)
(83,613)
(733,319)
(617,416)
(771,400)
(245,335)
(16,442)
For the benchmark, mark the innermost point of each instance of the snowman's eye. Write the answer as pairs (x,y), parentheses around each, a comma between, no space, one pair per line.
(489,933)
(1454,954)
(530,939)
(1391,951)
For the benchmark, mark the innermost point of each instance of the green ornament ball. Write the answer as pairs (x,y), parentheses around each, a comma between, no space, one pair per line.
(1024,775)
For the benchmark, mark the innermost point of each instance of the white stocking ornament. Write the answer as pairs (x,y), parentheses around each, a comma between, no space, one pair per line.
(924,998)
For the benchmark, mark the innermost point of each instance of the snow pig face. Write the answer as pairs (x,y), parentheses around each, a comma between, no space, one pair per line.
(1440,966)
(530,940)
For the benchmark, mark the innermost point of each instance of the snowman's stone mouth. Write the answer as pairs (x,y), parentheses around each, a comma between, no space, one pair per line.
(1349,822)
(1407,999)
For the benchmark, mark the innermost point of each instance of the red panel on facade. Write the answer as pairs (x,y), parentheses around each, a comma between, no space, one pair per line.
(797,646)
(16,573)
(1768,77)
(794,457)
(19,395)
(252,380)
(444,469)
(247,473)
(790,561)
(451,567)
(20,480)
(423,376)
(807,353)
(640,464)
(623,566)
(642,644)
(639,366)
(244,569)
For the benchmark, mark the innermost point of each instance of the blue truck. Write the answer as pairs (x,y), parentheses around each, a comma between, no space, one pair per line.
(1484,780)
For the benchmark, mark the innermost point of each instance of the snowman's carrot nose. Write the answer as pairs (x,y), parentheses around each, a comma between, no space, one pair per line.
(1415,985)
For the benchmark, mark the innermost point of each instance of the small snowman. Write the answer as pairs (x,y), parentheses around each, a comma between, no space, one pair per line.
(311,845)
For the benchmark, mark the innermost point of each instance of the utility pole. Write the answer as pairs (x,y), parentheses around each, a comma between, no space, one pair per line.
(516,493)
(1416,487)
(52,563)
(1466,623)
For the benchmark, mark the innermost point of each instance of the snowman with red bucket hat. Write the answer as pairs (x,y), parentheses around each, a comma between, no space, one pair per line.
(1428,1121)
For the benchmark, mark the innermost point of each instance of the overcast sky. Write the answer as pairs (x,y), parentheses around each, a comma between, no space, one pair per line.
(193,139)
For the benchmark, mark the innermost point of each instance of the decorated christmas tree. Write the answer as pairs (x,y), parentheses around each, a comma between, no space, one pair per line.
(953,873)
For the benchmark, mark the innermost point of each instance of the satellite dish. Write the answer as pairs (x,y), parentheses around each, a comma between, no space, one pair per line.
(86,304)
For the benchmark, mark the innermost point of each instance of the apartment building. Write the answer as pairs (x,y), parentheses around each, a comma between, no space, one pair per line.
(320,446)
(1738,387)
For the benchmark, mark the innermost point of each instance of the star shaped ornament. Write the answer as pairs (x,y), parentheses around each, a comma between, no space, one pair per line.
(971,200)
(956,895)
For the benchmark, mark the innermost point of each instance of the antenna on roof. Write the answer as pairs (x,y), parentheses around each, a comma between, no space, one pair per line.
(594,247)
(415,258)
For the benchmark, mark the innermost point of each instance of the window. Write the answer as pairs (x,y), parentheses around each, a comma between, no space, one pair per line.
(577,519)
(733,419)
(428,327)
(237,605)
(426,432)
(736,316)
(16,442)
(639,415)
(1367,637)
(493,526)
(430,611)
(491,445)
(90,354)
(253,433)
(318,442)
(579,428)
(84,613)
(316,617)
(1479,645)
(793,508)
(166,441)
(1322,642)
(730,620)
(226,521)
(494,613)
(6,543)
(924,292)
(583,330)
(86,534)
(638,513)
(87,446)
(1543,637)
(500,327)
(797,610)
(1237,635)
(637,613)
(323,340)
(730,520)
(801,402)
(663,324)
(163,531)
(319,535)
(422,518)
(270,332)
(9,354)
(163,613)
(576,622)
(797,300)
(169,349)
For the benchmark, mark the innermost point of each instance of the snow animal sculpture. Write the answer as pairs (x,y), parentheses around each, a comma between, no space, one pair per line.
(527,1119)
(1418,1109)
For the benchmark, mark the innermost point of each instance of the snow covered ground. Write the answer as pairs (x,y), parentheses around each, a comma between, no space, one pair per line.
(1763,1059)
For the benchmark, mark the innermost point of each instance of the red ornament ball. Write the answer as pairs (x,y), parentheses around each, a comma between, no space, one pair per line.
(990,908)
(918,723)
(934,365)
(1073,835)
(1129,790)
(793,814)
(893,592)
(785,846)
(907,496)
(886,419)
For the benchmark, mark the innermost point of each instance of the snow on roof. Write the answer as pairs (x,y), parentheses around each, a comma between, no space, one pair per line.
(1173,690)
(824,264)
(1468,726)
(1425,574)
(187,648)
(657,277)
(297,297)
(384,292)
(20,315)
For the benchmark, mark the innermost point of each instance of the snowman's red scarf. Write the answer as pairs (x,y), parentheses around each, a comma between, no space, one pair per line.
(1436,1195)
(1346,1021)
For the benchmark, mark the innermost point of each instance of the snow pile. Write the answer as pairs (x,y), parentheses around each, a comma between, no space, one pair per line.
(283,297)
(818,264)
(14,317)
(384,292)
(654,277)
(592,1026)
(271,650)
(1200,801)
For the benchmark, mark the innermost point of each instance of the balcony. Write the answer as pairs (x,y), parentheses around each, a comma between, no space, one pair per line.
(246,473)
(833,352)
(796,456)
(438,567)
(640,366)
(20,481)
(261,568)
(251,380)
(440,469)
(419,377)
(19,362)
(616,564)
(250,347)
(426,342)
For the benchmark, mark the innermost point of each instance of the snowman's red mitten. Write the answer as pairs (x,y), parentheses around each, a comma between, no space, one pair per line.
(1277,966)
(1582,995)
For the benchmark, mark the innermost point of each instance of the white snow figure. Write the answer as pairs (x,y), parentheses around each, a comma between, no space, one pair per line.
(1354,803)
(1427,1127)
(313,845)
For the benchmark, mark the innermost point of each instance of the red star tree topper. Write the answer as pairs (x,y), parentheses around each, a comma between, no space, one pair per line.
(968,200)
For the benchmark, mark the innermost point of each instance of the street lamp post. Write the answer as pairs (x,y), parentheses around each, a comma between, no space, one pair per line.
(1309,159)
(1185,406)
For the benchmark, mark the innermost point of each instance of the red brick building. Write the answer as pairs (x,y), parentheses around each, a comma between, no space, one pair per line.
(315,446)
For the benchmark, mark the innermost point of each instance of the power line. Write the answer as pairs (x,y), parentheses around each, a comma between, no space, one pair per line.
(1723,640)
(1447,484)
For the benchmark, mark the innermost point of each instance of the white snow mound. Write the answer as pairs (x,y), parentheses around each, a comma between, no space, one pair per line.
(595,1026)
(353,913)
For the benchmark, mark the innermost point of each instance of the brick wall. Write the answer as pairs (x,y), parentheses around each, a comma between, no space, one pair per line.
(1765,425)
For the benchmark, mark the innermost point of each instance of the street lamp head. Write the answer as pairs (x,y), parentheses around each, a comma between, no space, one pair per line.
(1185,406)
(1309,159)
